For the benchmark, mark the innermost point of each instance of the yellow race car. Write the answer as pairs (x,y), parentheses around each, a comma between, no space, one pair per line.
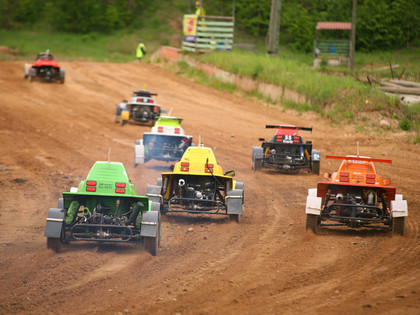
(197,184)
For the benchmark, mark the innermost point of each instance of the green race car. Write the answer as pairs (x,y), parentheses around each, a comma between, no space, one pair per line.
(104,208)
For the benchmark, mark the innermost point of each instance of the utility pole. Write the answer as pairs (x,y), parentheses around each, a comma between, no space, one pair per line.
(233,8)
(353,35)
(274,28)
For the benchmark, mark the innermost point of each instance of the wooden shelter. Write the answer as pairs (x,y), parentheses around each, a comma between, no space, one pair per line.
(335,51)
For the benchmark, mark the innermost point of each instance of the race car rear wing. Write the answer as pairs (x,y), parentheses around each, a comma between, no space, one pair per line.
(143,93)
(288,127)
(357,158)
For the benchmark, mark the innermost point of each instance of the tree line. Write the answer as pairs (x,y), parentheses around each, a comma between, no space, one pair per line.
(381,24)
(81,16)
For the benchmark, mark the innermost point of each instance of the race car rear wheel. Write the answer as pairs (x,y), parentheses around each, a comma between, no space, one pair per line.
(151,244)
(312,222)
(315,167)
(257,165)
(54,244)
(398,225)
(235,217)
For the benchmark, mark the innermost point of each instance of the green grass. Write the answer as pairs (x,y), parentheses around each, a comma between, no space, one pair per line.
(348,95)
(119,46)
(377,64)
(92,47)
(331,92)
(199,76)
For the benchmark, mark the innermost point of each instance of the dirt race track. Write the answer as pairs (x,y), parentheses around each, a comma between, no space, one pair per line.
(51,134)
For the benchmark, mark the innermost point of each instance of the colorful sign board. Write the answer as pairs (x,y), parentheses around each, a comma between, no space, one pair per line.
(190,27)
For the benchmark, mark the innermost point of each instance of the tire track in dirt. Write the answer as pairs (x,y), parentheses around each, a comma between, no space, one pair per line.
(265,264)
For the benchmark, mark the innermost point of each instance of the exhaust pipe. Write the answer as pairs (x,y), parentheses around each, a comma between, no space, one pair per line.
(181,182)
(370,198)
(339,197)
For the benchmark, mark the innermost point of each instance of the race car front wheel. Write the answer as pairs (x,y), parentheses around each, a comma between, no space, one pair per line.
(312,222)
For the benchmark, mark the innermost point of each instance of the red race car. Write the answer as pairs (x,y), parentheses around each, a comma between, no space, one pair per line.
(45,68)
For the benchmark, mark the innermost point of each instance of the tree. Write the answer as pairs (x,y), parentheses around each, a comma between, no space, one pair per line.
(253,16)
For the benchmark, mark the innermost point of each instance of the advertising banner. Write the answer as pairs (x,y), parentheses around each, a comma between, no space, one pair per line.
(190,27)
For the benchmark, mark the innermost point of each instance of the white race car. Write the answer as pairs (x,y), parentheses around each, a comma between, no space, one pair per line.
(142,108)
(166,142)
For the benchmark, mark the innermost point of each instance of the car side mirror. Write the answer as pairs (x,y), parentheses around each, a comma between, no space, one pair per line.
(230,173)
(386,181)
(261,139)
(171,167)
(327,175)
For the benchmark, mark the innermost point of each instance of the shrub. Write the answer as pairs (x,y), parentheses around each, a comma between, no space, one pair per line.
(405,124)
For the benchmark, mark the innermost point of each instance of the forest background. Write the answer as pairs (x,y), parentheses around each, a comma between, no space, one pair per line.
(381,24)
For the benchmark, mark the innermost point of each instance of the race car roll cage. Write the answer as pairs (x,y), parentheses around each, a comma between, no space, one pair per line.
(219,205)
(214,206)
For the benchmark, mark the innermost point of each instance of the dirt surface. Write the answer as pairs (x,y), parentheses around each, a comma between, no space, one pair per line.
(51,134)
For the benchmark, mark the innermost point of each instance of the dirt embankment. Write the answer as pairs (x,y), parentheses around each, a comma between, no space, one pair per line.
(51,134)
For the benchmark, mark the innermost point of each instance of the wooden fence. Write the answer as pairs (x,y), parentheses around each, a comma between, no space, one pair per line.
(206,33)
(333,48)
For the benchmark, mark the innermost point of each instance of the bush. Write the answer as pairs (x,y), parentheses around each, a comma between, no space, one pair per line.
(406,125)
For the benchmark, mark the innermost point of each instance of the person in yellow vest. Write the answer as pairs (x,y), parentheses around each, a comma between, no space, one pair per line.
(141,50)
(199,9)
(200,12)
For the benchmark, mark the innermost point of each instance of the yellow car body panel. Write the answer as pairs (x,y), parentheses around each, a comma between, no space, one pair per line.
(197,157)
(200,161)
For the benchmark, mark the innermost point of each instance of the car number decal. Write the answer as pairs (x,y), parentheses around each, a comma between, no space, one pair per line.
(287,139)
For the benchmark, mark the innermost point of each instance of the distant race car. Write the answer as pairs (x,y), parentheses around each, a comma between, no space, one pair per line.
(104,208)
(166,142)
(142,108)
(286,151)
(356,196)
(197,184)
(45,68)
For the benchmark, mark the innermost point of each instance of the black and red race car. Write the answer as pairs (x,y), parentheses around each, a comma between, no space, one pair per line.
(45,68)
(286,151)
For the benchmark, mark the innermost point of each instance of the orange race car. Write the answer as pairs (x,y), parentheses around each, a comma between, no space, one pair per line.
(356,196)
